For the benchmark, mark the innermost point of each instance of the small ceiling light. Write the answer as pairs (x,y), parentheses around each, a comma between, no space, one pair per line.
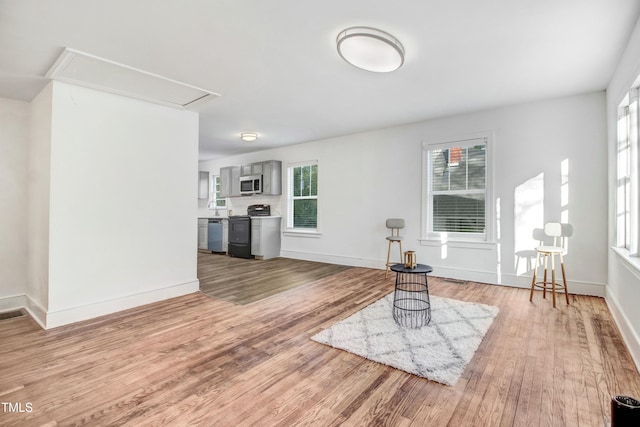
(370,49)
(248,136)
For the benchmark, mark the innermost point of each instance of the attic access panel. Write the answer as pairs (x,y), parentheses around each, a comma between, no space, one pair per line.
(91,71)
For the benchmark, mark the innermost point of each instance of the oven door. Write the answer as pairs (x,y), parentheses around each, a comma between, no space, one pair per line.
(239,230)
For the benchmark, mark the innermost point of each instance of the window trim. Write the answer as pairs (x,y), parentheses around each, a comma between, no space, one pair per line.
(429,238)
(629,111)
(289,229)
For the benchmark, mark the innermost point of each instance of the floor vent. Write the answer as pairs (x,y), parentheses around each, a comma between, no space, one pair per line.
(11,314)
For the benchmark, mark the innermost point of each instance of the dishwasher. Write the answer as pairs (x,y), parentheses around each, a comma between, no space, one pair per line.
(214,231)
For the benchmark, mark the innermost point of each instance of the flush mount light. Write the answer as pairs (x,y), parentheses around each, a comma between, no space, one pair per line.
(248,136)
(370,49)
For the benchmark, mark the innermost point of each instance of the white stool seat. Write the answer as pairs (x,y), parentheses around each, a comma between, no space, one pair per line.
(395,238)
(550,249)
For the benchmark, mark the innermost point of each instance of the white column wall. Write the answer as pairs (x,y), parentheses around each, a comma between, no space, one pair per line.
(38,208)
(14,135)
(368,177)
(123,203)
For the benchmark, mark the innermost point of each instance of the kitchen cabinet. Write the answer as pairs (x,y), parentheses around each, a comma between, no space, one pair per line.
(251,169)
(203,185)
(225,235)
(272,178)
(203,234)
(230,181)
(270,170)
(265,237)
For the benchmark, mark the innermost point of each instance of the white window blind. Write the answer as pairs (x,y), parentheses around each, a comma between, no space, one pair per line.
(457,187)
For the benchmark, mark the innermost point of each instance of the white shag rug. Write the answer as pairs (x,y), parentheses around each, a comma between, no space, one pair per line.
(439,351)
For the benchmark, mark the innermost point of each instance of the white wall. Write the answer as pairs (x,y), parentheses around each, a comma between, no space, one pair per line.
(14,128)
(623,291)
(368,177)
(38,206)
(123,191)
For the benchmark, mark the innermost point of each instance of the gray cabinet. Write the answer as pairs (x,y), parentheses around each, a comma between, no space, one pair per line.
(251,169)
(270,170)
(203,185)
(272,178)
(203,234)
(265,237)
(225,234)
(230,181)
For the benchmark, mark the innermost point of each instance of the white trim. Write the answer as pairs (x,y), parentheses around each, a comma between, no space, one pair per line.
(289,199)
(488,138)
(334,259)
(465,243)
(52,319)
(632,263)
(37,312)
(295,232)
(101,308)
(630,336)
(18,302)
(488,277)
(12,303)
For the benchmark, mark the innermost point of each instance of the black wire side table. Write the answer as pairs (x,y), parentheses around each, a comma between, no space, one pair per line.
(411,304)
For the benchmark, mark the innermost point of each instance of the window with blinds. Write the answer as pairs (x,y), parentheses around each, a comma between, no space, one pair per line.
(303,196)
(457,181)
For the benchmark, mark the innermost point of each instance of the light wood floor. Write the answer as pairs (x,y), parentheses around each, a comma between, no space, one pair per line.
(197,360)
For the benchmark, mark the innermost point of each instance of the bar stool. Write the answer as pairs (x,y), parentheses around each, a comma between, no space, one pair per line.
(394,224)
(555,230)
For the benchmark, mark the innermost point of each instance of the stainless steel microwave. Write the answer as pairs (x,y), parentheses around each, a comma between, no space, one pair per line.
(251,184)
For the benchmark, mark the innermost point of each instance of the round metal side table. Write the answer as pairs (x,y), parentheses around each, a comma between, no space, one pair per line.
(411,305)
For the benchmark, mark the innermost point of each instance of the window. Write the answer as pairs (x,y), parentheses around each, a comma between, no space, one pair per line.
(627,184)
(302,197)
(217,201)
(455,196)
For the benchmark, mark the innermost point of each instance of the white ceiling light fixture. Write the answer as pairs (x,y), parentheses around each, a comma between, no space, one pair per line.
(248,136)
(370,49)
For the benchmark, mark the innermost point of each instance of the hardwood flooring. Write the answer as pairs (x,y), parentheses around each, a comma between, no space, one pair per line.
(197,360)
(243,281)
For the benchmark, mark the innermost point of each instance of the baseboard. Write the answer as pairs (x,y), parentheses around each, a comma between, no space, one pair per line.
(36,312)
(629,335)
(577,287)
(332,259)
(55,319)
(516,281)
(12,303)
(20,302)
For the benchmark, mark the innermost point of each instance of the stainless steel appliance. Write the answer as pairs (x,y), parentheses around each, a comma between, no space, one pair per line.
(251,184)
(214,232)
(239,244)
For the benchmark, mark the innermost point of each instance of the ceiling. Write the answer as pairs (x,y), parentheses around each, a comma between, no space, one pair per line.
(276,67)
